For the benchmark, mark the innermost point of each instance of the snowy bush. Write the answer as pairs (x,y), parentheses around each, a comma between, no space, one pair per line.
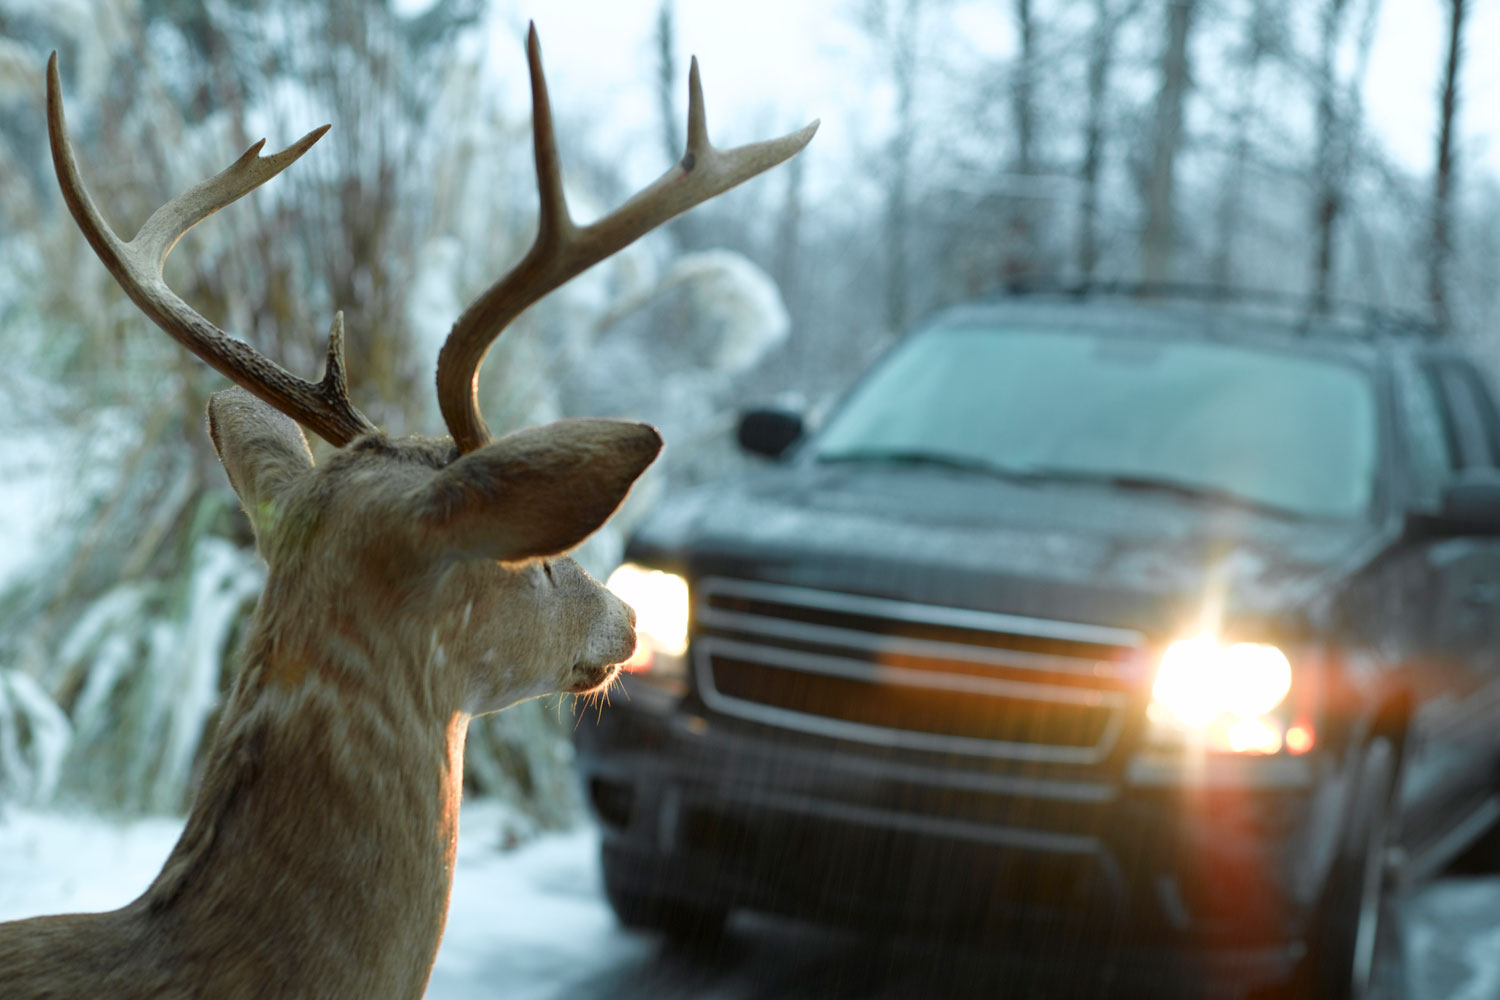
(151,659)
(674,356)
(34,739)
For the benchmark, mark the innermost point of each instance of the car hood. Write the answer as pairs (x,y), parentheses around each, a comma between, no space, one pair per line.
(1082,551)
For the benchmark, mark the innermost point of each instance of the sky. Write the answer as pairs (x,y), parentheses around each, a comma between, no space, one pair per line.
(775,64)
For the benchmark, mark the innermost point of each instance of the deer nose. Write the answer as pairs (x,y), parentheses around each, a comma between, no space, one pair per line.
(630,615)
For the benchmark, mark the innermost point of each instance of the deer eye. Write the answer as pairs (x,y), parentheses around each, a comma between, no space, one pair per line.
(547,568)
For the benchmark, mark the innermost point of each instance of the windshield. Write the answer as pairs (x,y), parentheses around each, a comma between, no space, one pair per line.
(1280,430)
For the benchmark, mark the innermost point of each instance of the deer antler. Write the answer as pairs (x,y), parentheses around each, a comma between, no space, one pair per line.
(563,249)
(323,407)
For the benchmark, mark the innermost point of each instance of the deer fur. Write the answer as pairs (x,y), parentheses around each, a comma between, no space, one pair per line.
(410,588)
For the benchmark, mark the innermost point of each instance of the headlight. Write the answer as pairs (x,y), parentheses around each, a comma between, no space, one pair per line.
(1223,695)
(660,601)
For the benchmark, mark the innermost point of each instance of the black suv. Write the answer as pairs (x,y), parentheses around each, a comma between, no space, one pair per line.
(1139,622)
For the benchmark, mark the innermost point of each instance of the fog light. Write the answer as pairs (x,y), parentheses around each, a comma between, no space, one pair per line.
(1257,735)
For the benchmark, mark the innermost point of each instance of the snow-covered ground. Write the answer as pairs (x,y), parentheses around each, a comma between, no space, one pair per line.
(530,924)
(520,920)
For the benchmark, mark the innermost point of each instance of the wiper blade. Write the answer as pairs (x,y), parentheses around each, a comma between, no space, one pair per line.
(916,456)
(1150,484)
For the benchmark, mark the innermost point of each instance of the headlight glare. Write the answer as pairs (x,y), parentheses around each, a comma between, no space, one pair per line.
(660,601)
(1225,692)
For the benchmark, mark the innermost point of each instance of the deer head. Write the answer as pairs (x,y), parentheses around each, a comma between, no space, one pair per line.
(454,523)
(413,583)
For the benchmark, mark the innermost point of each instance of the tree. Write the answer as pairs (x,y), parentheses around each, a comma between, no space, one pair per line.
(1263,31)
(1443,179)
(1338,136)
(1108,19)
(896,34)
(684,230)
(789,232)
(1020,242)
(1157,238)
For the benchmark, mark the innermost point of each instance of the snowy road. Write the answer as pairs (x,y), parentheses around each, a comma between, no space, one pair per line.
(530,924)
(559,942)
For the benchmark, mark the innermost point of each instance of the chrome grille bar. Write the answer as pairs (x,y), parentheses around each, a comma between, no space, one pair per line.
(860,659)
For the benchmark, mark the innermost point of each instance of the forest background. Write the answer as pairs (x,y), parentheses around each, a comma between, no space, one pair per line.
(968,148)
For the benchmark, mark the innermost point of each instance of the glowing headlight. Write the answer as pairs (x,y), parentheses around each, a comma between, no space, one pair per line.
(1200,682)
(660,601)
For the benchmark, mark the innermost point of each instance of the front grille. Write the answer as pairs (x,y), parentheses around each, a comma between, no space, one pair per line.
(899,674)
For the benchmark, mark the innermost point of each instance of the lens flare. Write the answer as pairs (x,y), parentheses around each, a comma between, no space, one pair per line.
(1225,693)
(1299,739)
(660,601)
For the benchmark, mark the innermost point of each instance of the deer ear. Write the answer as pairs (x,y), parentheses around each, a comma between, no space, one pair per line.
(263,451)
(537,492)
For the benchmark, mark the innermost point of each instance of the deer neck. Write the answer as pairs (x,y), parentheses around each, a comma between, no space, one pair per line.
(320,847)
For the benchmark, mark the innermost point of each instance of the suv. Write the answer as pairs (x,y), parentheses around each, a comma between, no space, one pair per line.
(1146,623)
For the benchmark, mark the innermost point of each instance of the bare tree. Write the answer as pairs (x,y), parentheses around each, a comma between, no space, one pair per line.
(1023,86)
(789,233)
(1108,19)
(666,77)
(1157,238)
(897,35)
(682,230)
(1264,26)
(1020,250)
(1443,180)
(1339,118)
(1332,146)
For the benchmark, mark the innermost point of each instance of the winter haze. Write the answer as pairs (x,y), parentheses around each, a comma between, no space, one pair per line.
(964,147)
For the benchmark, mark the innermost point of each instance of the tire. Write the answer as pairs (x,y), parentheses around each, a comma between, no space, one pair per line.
(1482,857)
(683,923)
(1356,951)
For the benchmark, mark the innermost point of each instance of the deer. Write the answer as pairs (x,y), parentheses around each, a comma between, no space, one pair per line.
(413,583)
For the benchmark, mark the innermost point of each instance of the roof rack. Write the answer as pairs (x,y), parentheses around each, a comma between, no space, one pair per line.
(1372,320)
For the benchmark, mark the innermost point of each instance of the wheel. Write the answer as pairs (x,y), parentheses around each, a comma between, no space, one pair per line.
(1356,949)
(682,922)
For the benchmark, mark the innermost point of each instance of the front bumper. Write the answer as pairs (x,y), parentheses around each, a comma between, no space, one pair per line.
(1147,853)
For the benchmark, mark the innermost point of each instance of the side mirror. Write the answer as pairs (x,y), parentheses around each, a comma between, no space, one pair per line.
(1469,505)
(769,432)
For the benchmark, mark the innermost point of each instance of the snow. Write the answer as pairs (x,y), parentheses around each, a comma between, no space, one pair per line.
(167,668)
(189,655)
(34,738)
(1454,931)
(29,501)
(531,923)
(518,919)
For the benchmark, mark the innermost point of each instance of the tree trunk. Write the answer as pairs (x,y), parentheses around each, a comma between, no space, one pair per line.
(1260,31)
(1020,252)
(1443,182)
(1328,198)
(903,53)
(1101,58)
(683,229)
(1023,84)
(789,235)
(1107,23)
(1157,240)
